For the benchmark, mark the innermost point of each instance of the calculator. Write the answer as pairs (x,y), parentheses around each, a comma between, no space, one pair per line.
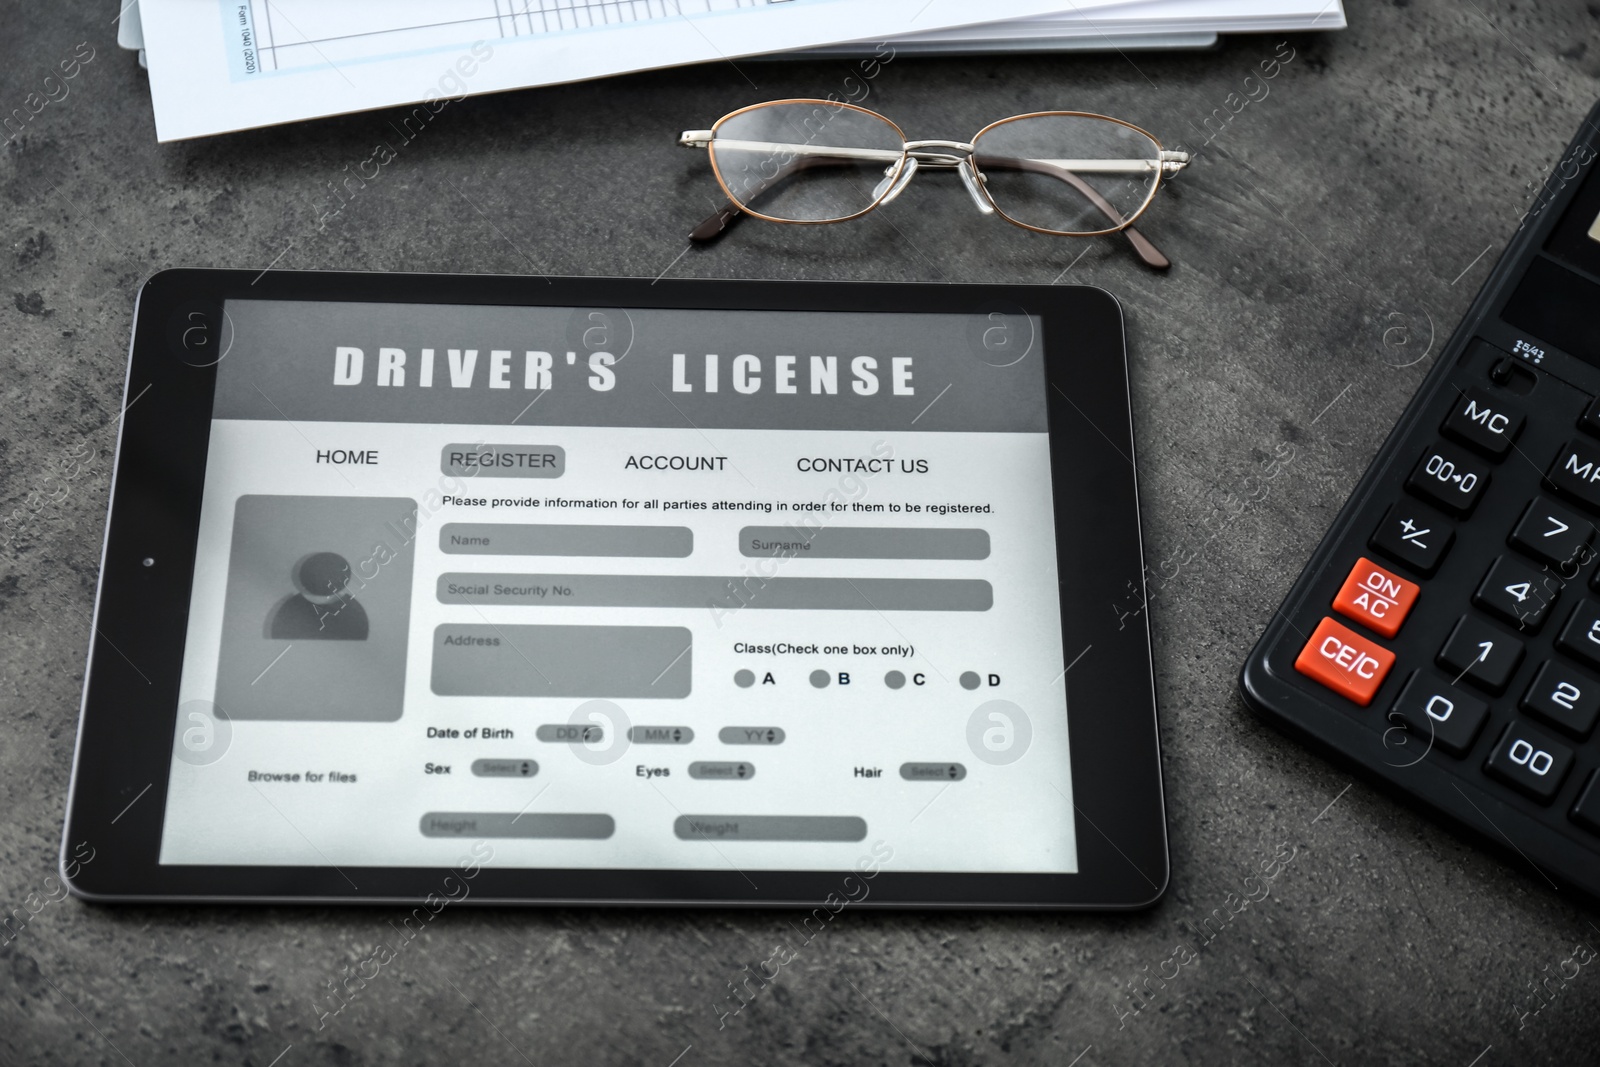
(1445,636)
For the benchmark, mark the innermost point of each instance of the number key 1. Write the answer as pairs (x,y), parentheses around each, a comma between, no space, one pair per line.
(1481,654)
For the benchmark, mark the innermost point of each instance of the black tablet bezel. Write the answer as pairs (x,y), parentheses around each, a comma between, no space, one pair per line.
(122,761)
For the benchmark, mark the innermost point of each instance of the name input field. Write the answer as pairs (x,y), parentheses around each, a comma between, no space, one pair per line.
(561,539)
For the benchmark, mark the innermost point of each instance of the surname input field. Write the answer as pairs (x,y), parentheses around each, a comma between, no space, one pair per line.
(804,541)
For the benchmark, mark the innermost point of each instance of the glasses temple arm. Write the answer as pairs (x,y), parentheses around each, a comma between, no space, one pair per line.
(1147,252)
(713,225)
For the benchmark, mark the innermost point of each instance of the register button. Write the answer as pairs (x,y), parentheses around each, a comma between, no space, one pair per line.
(1376,598)
(479,460)
(1345,662)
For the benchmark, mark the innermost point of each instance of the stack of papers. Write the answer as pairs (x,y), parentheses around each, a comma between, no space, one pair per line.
(221,65)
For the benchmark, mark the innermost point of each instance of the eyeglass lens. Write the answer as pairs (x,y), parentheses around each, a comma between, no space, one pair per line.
(806,162)
(1067,173)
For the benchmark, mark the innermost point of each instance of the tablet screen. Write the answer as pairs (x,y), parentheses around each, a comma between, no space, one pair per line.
(624,588)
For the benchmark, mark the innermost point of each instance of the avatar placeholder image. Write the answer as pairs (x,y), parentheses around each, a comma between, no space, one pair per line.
(317,608)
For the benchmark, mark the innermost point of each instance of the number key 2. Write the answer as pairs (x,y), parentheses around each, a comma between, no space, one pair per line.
(1450,478)
(1562,697)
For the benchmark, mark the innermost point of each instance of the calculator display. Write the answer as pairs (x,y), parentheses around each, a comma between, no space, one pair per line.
(624,588)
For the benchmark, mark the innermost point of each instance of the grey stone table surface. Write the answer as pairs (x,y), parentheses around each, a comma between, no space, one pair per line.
(1327,235)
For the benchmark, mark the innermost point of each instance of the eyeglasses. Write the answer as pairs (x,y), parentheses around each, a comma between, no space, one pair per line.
(1066,173)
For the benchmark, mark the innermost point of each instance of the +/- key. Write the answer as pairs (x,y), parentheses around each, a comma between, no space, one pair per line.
(1414,535)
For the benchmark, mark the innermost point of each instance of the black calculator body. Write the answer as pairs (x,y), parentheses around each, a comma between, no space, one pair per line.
(1445,637)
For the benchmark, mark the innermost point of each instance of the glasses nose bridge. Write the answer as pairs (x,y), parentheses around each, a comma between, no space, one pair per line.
(939,153)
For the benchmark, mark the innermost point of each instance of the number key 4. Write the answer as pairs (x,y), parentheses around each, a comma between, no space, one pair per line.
(1519,594)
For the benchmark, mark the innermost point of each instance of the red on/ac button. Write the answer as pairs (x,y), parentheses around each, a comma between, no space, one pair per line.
(1375,597)
(1345,662)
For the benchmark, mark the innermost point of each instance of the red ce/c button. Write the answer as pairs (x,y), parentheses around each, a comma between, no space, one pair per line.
(1345,662)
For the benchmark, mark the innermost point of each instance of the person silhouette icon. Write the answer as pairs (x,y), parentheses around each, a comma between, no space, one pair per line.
(323,608)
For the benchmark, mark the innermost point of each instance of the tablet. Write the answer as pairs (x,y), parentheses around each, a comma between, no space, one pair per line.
(441,588)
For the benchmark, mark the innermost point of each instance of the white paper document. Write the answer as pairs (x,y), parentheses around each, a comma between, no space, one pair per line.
(1134,25)
(1164,16)
(220,65)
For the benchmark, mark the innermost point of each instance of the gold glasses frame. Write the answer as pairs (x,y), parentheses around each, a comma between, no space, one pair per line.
(962,156)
